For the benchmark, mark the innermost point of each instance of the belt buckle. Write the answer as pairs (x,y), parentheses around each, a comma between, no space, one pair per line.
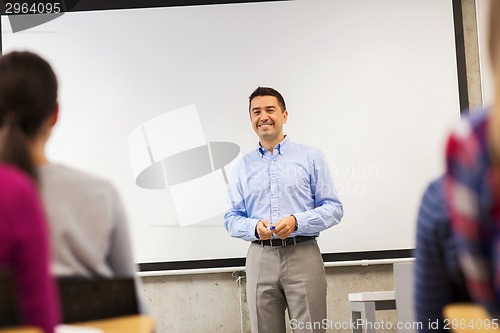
(283,242)
(278,245)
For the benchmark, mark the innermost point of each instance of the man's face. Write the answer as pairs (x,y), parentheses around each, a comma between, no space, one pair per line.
(267,117)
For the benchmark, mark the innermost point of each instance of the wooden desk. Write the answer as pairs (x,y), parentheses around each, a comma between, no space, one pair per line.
(22,329)
(468,317)
(129,324)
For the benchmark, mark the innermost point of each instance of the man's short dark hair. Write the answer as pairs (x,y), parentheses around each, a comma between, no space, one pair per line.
(266,91)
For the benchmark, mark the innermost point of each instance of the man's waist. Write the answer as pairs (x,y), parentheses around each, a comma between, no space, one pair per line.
(290,241)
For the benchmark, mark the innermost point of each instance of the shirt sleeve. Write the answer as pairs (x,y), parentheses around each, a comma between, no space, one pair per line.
(236,219)
(120,256)
(474,235)
(433,286)
(328,209)
(36,287)
(121,259)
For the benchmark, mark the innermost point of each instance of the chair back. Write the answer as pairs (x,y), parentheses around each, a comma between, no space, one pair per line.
(84,299)
(9,308)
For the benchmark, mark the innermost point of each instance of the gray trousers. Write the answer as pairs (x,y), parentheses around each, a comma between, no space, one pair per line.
(290,277)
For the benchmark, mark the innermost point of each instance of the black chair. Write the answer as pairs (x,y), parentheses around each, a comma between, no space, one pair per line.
(84,299)
(9,307)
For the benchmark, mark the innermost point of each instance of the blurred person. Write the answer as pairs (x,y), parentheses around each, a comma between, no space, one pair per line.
(281,197)
(89,230)
(473,188)
(439,280)
(24,236)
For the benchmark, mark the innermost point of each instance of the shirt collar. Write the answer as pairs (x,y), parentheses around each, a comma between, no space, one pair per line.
(280,147)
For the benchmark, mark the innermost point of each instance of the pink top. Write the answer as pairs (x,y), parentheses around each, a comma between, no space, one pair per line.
(24,249)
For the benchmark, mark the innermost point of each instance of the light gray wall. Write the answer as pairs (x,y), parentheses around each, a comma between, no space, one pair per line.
(211,302)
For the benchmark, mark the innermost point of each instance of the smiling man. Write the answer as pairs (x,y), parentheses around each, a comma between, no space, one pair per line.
(281,197)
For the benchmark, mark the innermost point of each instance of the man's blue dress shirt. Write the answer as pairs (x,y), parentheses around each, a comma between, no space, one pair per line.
(294,180)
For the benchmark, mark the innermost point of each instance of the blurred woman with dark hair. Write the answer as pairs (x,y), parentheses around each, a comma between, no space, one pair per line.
(24,238)
(89,229)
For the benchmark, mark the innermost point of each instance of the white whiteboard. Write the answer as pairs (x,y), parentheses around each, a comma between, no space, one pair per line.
(372,83)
